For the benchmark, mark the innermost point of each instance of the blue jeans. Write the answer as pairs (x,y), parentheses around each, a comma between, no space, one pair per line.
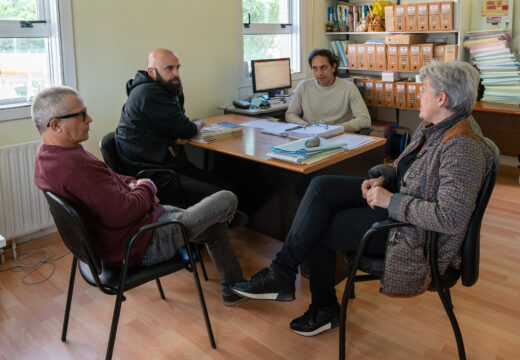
(206,223)
(331,216)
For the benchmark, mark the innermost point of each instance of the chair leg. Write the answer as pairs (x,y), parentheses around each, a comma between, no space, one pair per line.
(348,293)
(202,301)
(448,297)
(446,302)
(113,328)
(159,286)
(199,255)
(69,298)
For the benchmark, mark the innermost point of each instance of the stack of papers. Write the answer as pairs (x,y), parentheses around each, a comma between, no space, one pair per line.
(297,152)
(499,67)
(295,131)
(219,131)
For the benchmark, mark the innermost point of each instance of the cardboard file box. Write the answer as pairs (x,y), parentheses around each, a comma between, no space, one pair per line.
(426,54)
(411,17)
(381,57)
(438,52)
(415,57)
(389,18)
(434,13)
(422,17)
(446,15)
(450,52)
(411,95)
(391,57)
(361,56)
(404,58)
(360,84)
(405,39)
(370,50)
(400,95)
(389,94)
(400,17)
(352,56)
(369,92)
(379,98)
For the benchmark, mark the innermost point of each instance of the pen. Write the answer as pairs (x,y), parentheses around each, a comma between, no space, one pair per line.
(294,128)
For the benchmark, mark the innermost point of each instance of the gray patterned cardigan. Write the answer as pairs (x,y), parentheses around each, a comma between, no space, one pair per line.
(438,192)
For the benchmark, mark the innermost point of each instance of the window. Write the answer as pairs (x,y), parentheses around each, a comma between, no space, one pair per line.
(270,29)
(35,52)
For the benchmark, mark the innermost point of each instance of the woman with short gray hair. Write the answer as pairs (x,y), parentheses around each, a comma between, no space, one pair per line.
(432,185)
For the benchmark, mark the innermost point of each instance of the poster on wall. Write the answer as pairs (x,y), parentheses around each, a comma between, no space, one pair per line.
(496,14)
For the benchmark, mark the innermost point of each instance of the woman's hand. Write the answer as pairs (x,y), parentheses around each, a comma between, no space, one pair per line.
(371,183)
(378,196)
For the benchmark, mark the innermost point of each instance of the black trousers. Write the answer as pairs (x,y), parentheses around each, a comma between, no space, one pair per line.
(190,187)
(331,216)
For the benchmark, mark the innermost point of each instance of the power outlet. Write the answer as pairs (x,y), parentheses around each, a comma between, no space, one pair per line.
(2,241)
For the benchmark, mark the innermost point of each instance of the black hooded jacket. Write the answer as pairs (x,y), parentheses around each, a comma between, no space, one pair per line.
(151,120)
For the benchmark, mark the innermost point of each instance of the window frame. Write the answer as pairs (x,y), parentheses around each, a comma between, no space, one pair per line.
(59,31)
(297,13)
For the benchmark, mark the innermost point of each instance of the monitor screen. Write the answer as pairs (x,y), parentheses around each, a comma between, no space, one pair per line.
(271,75)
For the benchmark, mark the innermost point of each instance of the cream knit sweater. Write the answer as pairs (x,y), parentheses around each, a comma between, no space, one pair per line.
(339,104)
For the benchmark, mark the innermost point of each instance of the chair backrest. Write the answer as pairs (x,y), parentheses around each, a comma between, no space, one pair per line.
(107,145)
(470,250)
(73,231)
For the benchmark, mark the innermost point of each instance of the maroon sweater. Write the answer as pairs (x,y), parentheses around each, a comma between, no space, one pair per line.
(110,208)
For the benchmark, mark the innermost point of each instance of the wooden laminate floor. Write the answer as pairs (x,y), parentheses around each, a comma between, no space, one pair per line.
(379,327)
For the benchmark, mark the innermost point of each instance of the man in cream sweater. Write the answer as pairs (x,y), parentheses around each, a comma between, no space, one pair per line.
(327,98)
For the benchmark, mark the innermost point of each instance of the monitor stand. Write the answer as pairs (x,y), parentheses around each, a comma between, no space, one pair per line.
(269,95)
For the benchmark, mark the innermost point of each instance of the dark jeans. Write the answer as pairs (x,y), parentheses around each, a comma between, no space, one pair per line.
(331,216)
(192,185)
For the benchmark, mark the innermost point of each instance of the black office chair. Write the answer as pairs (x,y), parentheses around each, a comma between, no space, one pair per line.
(107,145)
(468,272)
(115,281)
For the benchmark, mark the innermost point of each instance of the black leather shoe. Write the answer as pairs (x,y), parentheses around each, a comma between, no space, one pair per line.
(266,285)
(316,321)
(240,219)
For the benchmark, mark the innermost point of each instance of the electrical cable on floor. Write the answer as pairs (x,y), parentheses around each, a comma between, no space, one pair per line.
(32,266)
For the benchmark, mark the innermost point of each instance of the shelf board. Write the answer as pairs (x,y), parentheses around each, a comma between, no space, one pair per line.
(377,70)
(389,33)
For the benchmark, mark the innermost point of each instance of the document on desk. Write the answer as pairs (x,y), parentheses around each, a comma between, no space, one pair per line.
(351,141)
(295,131)
(270,127)
(298,152)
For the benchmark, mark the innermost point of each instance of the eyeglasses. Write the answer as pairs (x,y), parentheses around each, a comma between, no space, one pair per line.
(321,123)
(83,113)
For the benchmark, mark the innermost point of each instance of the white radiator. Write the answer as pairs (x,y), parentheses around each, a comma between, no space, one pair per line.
(23,208)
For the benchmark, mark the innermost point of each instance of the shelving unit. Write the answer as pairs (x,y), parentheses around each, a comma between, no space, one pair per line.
(461,25)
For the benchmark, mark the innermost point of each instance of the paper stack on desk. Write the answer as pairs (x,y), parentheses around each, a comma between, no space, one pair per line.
(219,131)
(297,152)
(324,131)
(295,131)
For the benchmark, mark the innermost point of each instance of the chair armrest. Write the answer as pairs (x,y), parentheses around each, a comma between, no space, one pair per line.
(138,233)
(152,226)
(388,224)
(143,173)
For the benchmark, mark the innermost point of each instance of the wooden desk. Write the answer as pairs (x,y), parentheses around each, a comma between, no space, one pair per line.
(500,123)
(270,190)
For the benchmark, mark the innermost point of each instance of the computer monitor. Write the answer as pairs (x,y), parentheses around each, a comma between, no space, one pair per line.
(270,75)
